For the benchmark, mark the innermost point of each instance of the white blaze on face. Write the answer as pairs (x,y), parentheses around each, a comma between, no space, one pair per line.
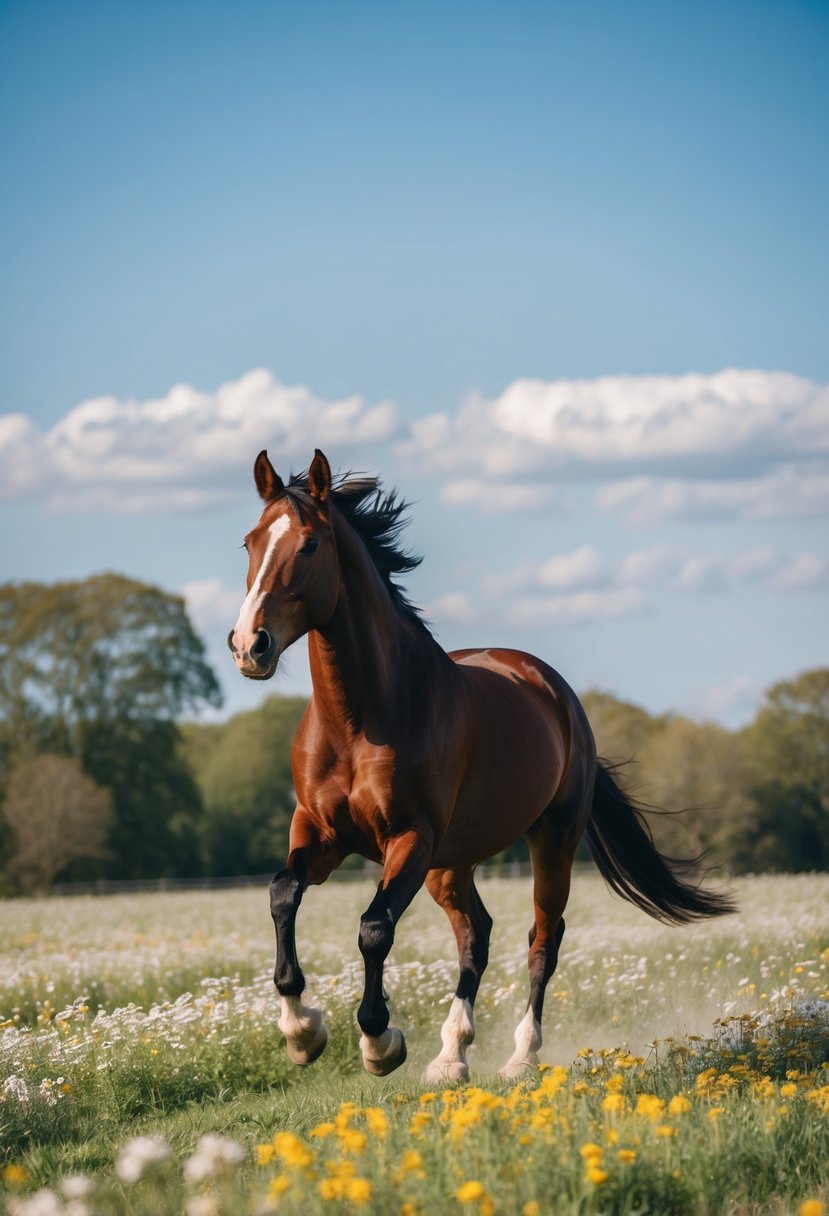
(253,599)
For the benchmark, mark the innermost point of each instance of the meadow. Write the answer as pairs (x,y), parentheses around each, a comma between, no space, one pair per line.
(685,1069)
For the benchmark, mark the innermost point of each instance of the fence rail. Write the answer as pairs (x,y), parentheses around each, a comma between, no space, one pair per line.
(126,886)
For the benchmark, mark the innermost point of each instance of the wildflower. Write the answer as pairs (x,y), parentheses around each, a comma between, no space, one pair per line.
(76,1186)
(714,1113)
(292,1151)
(279,1185)
(650,1106)
(533,1208)
(265,1153)
(411,1163)
(596,1175)
(42,1203)
(201,1205)
(377,1121)
(470,1191)
(591,1153)
(665,1131)
(213,1155)
(425,1098)
(679,1105)
(788,1090)
(614,1104)
(140,1154)
(15,1175)
(353,1141)
(811,1207)
(322,1130)
(626,1155)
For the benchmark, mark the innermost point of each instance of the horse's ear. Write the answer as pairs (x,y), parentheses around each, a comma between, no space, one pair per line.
(319,477)
(268,482)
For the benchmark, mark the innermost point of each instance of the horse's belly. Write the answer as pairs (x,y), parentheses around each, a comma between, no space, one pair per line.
(515,766)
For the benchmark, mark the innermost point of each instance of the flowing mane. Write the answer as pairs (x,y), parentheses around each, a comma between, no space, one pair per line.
(378,517)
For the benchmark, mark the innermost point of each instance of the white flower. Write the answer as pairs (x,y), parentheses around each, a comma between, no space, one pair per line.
(201,1205)
(138,1155)
(76,1186)
(16,1087)
(42,1203)
(212,1154)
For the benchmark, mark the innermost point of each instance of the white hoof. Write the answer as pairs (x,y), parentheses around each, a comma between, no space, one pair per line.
(443,1072)
(304,1029)
(456,1034)
(527,1042)
(381,1055)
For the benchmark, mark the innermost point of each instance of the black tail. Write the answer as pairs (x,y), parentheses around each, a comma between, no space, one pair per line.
(622,846)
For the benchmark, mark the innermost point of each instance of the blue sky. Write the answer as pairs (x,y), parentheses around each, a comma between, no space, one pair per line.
(526,243)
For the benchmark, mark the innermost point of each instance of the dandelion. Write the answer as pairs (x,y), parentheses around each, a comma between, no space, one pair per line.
(626,1155)
(596,1175)
(15,1175)
(140,1154)
(291,1150)
(650,1106)
(614,1104)
(322,1130)
(679,1105)
(470,1191)
(788,1090)
(377,1121)
(591,1152)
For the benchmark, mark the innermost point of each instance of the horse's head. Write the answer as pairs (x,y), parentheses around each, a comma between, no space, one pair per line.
(293,571)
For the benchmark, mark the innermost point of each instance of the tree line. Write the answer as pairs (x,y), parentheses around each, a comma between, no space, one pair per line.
(100,776)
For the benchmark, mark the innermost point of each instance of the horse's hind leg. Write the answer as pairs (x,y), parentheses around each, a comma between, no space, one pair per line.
(455,891)
(552,860)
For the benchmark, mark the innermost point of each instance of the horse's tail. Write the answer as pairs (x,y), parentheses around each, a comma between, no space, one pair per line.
(622,846)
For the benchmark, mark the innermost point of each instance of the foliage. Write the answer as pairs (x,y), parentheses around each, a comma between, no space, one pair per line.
(243,771)
(100,670)
(56,813)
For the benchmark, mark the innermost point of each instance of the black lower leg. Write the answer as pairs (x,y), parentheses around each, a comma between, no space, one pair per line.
(375,940)
(542,966)
(286,893)
(474,954)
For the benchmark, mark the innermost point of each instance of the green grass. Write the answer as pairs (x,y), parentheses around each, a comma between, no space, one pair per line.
(90,1061)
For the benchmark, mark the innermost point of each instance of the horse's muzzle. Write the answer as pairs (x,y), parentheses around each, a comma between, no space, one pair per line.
(258,661)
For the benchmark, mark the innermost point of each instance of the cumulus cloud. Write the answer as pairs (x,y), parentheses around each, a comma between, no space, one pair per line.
(745,432)
(182,450)
(578,607)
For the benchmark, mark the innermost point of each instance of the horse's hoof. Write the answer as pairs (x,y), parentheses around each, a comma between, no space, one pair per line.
(381,1055)
(306,1034)
(517,1068)
(305,1051)
(441,1073)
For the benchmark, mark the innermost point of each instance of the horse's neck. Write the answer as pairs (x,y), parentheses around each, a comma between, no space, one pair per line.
(368,650)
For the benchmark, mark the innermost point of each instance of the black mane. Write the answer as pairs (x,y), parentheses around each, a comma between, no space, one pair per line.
(378,517)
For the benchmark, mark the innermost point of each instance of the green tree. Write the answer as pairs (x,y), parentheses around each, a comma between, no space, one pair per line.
(788,826)
(101,670)
(55,813)
(243,770)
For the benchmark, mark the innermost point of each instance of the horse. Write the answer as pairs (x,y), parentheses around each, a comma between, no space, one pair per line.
(425,761)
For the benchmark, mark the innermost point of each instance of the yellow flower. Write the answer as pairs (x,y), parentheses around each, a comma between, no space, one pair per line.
(358,1190)
(377,1121)
(424,1098)
(15,1175)
(650,1106)
(592,1153)
(714,1113)
(812,1207)
(614,1104)
(626,1155)
(353,1141)
(280,1184)
(412,1160)
(470,1191)
(679,1105)
(533,1208)
(265,1154)
(788,1090)
(322,1130)
(665,1130)
(292,1151)
(408,1209)
(419,1121)
(596,1175)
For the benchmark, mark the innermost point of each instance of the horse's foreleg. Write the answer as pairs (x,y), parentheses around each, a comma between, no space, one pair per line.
(455,891)
(303,1026)
(405,866)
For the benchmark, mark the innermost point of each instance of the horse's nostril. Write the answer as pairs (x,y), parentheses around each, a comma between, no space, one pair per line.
(262,644)
(230,641)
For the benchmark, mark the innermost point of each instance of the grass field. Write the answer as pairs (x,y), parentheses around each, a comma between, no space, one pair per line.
(143,1071)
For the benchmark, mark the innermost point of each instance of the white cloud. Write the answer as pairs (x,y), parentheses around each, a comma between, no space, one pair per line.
(494,497)
(578,607)
(181,450)
(733,702)
(585,567)
(455,608)
(701,574)
(802,573)
(212,604)
(793,491)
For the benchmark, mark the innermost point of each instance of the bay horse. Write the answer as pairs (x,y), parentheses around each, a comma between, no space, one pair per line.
(425,761)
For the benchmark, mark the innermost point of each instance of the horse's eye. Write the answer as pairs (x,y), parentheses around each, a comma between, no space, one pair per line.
(311,545)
